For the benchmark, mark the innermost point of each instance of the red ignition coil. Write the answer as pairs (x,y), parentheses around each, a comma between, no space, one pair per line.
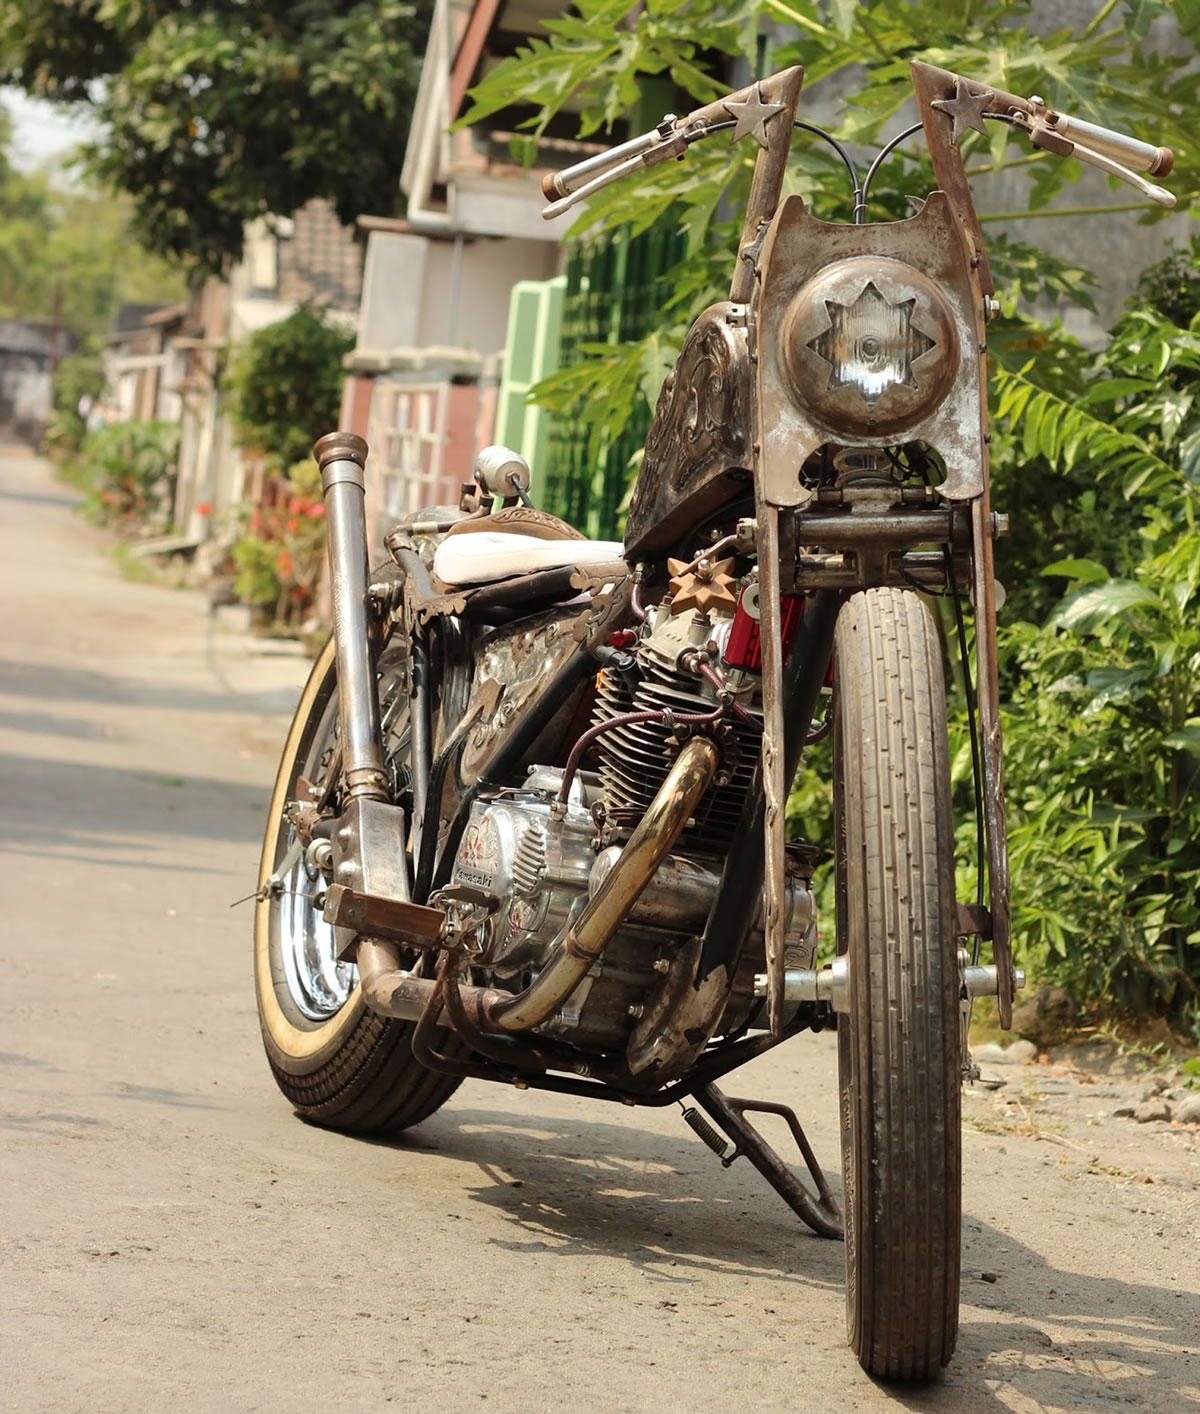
(744,649)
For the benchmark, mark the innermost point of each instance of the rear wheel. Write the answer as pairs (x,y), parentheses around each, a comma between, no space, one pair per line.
(898,1045)
(339,1063)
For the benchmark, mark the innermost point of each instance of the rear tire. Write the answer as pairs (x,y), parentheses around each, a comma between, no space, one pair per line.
(339,1063)
(899,1045)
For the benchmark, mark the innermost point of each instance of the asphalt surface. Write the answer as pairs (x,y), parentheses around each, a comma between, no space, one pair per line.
(174,1237)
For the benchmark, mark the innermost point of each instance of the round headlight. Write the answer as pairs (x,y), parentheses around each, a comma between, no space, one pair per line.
(869,346)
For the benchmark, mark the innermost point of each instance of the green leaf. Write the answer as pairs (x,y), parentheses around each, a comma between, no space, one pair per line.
(1107,390)
(1189,456)
(1087,609)
(1086,571)
(843,16)
(1187,738)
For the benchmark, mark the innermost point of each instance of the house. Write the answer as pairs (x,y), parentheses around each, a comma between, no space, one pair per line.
(29,350)
(170,363)
(437,285)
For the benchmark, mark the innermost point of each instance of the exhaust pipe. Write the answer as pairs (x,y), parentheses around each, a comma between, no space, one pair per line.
(342,458)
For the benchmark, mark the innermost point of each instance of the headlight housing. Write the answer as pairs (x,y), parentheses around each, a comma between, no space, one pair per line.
(869,346)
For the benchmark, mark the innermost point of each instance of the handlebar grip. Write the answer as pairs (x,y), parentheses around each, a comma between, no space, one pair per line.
(1141,156)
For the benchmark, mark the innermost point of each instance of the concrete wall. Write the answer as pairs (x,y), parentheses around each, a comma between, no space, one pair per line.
(421,291)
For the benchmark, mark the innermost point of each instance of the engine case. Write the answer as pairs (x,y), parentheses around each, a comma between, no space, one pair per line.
(544,869)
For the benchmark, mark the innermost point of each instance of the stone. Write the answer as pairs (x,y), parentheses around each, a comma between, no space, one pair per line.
(1150,1110)
(1188,1111)
(1046,1017)
(1021,1051)
(992,1054)
(1123,1112)
(989,1052)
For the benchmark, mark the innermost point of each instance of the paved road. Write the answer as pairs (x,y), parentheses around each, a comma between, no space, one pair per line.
(174,1238)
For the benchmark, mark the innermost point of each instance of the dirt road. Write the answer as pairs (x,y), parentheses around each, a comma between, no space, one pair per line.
(174,1238)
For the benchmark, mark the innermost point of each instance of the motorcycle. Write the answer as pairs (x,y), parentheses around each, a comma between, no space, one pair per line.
(529,824)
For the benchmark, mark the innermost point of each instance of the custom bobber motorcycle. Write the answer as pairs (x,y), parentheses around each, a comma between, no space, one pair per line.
(530,820)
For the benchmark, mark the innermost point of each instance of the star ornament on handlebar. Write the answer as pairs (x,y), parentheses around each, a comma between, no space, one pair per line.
(966,108)
(751,117)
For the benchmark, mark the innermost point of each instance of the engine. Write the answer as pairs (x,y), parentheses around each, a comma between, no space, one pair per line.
(634,758)
(543,862)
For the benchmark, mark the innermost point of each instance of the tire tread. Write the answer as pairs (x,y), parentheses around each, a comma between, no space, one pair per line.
(903,1199)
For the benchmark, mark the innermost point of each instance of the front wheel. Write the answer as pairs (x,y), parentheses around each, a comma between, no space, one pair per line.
(898,1044)
(338,1063)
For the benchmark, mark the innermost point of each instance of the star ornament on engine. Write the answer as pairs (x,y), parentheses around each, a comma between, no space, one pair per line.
(871,344)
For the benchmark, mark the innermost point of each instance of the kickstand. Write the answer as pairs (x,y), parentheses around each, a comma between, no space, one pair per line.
(821,1213)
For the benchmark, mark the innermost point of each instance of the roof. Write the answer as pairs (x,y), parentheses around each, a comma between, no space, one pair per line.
(132,316)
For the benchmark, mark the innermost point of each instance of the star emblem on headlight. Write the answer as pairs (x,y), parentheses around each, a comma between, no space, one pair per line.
(871,344)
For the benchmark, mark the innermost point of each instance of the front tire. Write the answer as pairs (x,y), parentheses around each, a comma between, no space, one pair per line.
(339,1063)
(898,1045)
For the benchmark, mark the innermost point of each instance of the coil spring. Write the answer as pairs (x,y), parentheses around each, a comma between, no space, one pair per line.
(724,1148)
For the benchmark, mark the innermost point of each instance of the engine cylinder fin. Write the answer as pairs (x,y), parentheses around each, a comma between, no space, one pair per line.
(634,757)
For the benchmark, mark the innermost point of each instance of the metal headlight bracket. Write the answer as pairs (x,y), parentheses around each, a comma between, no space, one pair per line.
(822,281)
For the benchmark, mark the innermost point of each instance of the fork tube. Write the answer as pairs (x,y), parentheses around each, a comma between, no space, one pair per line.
(342,458)
(769,168)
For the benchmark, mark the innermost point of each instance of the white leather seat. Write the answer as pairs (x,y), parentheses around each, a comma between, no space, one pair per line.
(488,555)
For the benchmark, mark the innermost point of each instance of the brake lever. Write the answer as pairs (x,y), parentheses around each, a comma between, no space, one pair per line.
(1048,131)
(1152,190)
(672,143)
(1046,138)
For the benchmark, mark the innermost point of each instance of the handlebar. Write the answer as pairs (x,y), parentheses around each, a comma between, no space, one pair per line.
(1117,153)
(1131,151)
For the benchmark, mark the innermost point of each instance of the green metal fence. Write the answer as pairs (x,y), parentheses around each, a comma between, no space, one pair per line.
(613,295)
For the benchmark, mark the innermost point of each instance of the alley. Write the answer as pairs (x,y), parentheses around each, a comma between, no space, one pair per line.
(174,1238)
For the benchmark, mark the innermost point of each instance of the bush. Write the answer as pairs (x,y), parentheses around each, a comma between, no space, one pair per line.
(127,473)
(280,556)
(1102,727)
(286,386)
(76,377)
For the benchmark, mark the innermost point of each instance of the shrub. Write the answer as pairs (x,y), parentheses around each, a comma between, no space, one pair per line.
(76,377)
(286,385)
(280,556)
(128,473)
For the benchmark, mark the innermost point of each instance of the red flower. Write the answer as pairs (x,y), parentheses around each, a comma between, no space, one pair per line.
(317,510)
(203,508)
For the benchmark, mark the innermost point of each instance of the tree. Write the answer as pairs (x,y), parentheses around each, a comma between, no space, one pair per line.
(287,385)
(595,58)
(65,254)
(219,112)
